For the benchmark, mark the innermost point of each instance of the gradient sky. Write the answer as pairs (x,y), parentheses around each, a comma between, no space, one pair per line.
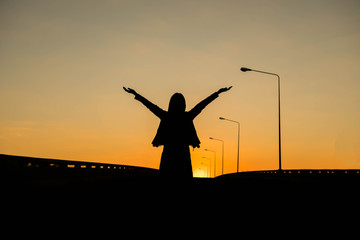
(63,64)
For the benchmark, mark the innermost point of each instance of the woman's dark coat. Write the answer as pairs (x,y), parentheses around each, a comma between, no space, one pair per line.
(176,128)
(176,133)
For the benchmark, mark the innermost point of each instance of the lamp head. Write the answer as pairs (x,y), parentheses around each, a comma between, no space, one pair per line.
(221,118)
(244,69)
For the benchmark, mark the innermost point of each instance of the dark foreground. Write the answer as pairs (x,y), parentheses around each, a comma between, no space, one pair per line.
(81,190)
(24,175)
(83,196)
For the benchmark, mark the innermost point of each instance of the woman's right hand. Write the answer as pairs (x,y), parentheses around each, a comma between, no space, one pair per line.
(129,90)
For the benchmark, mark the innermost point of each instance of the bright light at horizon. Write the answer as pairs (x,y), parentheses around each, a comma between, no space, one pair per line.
(200,172)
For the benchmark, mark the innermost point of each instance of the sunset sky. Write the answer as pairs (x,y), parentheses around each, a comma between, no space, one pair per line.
(63,65)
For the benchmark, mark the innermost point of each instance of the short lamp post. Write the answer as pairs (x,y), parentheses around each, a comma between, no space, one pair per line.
(238,148)
(222,157)
(214,160)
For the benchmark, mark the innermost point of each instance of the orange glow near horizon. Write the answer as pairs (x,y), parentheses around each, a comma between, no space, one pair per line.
(63,69)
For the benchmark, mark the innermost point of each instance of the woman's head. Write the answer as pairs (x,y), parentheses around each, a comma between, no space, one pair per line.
(177,103)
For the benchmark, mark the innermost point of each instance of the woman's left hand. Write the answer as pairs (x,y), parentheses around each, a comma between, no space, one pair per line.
(221,90)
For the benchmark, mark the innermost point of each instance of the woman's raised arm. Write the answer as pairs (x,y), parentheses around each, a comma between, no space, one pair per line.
(152,107)
(201,105)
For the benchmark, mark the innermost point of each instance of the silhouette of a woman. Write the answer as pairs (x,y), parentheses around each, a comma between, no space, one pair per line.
(176,132)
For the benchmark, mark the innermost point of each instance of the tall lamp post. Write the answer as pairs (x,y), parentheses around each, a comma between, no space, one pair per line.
(214,160)
(221,118)
(248,69)
(222,157)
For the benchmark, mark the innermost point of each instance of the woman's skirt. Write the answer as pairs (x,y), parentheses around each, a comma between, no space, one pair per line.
(176,162)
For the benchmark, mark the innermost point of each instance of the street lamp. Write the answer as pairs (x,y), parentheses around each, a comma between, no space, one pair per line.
(209,164)
(221,118)
(222,157)
(214,160)
(244,69)
(207,169)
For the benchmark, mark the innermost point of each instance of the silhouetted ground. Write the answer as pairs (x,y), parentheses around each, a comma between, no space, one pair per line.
(227,184)
(245,194)
(31,178)
(67,194)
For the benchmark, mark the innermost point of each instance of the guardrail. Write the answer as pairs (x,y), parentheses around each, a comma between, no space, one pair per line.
(309,172)
(35,172)
(9,161)
(29,171)
(299,176)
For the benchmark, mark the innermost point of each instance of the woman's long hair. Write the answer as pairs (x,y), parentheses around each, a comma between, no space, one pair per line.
(177,103)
